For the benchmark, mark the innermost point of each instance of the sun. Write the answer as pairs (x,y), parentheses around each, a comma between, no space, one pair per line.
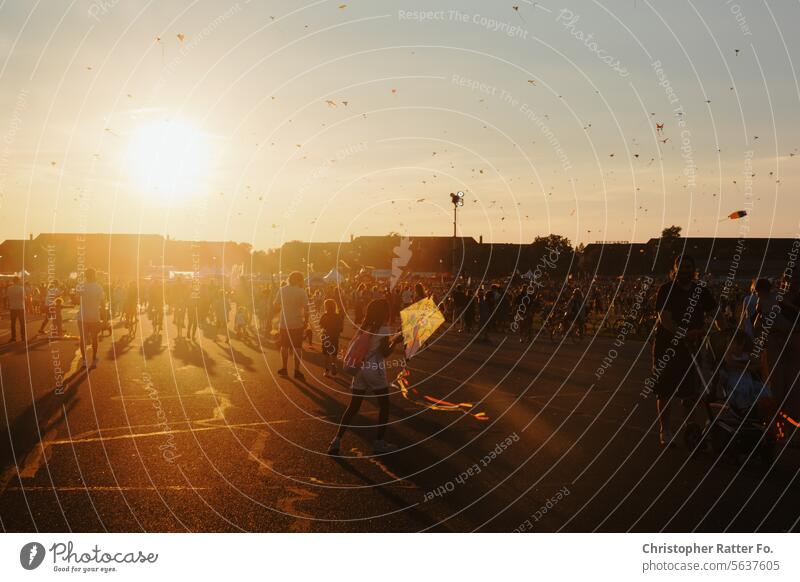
(169,160)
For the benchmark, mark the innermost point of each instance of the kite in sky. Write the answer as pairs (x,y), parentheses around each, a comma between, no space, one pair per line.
(735,215)
(419,321)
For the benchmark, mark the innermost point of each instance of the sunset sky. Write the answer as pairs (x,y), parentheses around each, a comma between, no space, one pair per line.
(270,121)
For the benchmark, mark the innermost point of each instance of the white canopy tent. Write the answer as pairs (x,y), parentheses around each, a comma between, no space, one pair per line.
(333,276)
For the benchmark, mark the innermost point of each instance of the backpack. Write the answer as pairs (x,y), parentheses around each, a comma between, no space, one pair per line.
(356,352)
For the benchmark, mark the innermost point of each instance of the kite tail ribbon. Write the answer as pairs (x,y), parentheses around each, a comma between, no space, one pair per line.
(411,394)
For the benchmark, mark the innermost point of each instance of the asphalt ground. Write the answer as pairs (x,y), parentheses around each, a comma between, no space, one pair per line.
(174,435)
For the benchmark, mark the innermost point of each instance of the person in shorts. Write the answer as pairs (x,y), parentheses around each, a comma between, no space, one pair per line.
(292,302)
(371,376)
(92,300)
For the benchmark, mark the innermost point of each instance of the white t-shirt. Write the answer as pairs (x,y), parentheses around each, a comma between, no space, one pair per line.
(92,297)
(293,302)
(16,296)
(372,375)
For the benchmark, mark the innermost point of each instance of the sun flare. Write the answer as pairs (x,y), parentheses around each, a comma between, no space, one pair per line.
(169,160)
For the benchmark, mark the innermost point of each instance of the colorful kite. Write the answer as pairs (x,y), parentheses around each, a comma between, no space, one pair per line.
(735,215)
(419,321)
(413,395)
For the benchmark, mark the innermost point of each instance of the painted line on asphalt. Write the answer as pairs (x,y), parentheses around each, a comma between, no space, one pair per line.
(41,452)
(245,425)
(384,469)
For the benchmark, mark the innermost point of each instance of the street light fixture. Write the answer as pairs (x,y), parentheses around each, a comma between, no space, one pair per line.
(458,200)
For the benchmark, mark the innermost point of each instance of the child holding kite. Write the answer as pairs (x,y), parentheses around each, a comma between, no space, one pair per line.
(366,355)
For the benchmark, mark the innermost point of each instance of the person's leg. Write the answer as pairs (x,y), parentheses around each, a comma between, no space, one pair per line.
(298,350)
(383,413)
(14,314)
(296,339)
(352,409)
(334,355)
(95,332)
(45,321)
(284,341)
(284,356)
(82,340)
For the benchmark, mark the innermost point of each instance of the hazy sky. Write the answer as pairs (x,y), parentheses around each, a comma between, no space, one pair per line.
(272,121)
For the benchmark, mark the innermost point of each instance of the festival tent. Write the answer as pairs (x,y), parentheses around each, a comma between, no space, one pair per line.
(316,280)
(21,274)
(211,272)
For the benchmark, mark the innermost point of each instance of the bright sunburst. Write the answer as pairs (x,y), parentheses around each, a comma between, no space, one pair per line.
(169,160)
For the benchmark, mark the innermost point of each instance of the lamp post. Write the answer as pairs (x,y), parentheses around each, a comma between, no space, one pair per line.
(458,200)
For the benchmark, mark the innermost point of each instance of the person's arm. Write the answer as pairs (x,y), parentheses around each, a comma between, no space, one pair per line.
(388,343)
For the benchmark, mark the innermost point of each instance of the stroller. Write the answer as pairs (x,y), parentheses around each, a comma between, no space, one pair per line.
(729,431)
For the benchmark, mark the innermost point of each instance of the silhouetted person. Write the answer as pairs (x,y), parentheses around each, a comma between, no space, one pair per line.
(292,302)
(682,304)
(15,295)
(92,299)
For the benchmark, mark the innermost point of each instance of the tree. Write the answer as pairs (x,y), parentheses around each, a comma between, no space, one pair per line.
(553,242)
(555,248)
(671,232)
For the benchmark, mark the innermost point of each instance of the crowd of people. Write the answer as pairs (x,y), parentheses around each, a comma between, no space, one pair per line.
(675,315)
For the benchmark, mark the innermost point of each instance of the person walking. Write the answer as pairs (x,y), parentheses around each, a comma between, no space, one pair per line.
(331,323)
(292,302)
(15,295)
(51,293)
(192,310)
(180,304)
(682,304)
(92,299)
(777,337)
(370,377)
